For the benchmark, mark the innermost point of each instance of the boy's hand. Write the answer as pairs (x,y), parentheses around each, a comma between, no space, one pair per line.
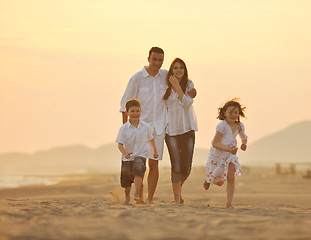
(192,93)
(127,155)
(233,150)
(243,147)
(155,154)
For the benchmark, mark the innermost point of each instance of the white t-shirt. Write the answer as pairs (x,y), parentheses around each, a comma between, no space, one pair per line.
(135,140)
(149,91)
(228,138)
(181,115)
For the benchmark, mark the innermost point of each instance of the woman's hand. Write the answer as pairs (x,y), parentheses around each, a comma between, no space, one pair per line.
(174,81)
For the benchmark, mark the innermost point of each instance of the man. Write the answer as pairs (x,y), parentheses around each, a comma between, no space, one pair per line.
(149,86)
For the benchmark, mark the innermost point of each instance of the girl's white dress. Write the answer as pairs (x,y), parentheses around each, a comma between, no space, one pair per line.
(218,161)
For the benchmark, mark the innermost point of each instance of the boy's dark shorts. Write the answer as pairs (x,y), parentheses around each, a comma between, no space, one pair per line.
(131,168)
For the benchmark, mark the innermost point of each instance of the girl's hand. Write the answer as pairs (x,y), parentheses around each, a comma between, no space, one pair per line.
(173,80)
(233,150)
(127,155)
(243,147)
(155,154)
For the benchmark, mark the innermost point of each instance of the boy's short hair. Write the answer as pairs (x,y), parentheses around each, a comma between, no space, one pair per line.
(156,50)
(132,103)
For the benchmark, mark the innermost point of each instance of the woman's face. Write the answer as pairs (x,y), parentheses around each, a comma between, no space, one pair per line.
(178,70)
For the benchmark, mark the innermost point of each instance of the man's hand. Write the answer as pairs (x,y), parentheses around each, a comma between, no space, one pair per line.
(192,93)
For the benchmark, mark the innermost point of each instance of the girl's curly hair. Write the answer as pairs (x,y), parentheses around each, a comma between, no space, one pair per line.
(232,103)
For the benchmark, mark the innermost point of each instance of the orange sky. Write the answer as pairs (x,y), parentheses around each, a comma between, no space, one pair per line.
(64,64)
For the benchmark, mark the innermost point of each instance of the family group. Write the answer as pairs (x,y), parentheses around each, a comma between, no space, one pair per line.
(157,107)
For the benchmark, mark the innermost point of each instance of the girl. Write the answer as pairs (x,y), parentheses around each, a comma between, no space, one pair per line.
(222,163)
(180,136)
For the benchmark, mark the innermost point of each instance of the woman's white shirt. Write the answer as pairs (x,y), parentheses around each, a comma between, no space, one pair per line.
(181,115)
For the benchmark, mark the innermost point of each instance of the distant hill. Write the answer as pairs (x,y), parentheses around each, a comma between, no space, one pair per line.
(74,159)
(289,145)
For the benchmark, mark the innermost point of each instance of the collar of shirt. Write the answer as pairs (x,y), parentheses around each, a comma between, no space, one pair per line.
(146,74)
(128,124)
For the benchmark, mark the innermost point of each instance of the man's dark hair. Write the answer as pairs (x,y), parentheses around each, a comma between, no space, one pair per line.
(156,50)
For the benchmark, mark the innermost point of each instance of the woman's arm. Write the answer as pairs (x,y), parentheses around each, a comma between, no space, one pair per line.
(175,84)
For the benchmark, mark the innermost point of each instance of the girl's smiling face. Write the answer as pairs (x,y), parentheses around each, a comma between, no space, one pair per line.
(232,114)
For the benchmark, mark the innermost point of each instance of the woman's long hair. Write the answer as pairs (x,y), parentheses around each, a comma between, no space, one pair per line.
(182,83)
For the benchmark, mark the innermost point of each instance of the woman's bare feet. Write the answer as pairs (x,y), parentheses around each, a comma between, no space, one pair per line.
(206,185)
(229,205)
(127,201)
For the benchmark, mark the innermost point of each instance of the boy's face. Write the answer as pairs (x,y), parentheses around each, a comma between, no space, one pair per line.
(134,113)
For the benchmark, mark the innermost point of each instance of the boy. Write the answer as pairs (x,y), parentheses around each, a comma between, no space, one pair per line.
(132,141)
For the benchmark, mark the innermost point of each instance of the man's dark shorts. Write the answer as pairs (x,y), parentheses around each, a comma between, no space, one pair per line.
(131,168)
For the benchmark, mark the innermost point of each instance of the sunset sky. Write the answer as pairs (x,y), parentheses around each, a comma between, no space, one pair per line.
(64,64)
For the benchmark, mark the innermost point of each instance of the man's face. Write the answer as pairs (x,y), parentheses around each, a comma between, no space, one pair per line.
(155,61)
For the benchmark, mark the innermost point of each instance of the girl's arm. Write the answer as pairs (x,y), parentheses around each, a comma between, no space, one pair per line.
(123,151)
(155,153)
(243,136)
(219,146)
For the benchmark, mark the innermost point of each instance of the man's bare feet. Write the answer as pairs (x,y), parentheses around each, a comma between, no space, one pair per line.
(182,200)
(206,185)
(150,202)
(127,202)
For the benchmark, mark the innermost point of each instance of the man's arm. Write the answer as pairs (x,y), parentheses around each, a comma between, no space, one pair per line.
(124,117)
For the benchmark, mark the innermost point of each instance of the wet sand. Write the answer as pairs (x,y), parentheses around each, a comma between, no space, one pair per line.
(266,206)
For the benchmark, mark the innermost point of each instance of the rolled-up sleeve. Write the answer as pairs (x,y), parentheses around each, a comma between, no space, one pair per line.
(242,132)
(187,100)
(130,92)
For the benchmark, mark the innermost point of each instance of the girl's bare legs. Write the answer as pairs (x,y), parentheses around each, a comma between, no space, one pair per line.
(230,184)
(127,192)
(177,192)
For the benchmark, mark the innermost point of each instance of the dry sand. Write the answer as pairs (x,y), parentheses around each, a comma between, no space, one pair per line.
(267,206)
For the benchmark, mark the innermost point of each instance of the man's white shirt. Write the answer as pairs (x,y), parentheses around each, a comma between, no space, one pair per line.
(135,140)
(149,91)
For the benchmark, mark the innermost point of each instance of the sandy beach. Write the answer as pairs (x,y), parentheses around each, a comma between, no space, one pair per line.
(266,206)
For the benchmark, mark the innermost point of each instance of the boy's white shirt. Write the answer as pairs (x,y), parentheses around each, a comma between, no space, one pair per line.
(149,91)
(135,140)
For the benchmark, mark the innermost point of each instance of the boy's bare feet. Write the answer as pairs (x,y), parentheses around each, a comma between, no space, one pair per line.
(138,199)
(206,185)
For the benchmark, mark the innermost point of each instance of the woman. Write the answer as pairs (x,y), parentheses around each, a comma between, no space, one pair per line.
(180,136)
